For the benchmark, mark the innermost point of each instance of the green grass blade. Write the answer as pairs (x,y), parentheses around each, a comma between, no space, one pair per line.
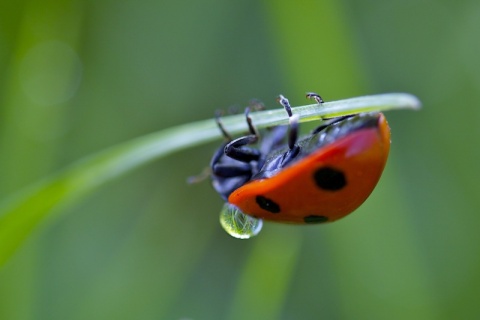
(380,102)
(21,214)
(266,287)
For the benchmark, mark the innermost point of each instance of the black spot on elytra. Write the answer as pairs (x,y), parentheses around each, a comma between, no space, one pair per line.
(267,204)
(315,219)
(330,179)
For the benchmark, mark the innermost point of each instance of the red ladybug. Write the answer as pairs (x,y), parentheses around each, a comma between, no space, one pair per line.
(317,178)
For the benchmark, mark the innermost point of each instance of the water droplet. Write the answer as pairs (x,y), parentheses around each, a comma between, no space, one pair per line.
(238,224)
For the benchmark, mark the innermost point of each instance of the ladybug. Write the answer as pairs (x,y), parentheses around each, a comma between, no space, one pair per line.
(318,178)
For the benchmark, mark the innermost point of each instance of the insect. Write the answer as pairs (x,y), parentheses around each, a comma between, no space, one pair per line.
(318,178)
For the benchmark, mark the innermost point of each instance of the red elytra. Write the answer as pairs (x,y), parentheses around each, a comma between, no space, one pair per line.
(326,182)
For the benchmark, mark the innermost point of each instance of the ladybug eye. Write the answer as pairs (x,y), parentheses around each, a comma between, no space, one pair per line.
(238,224)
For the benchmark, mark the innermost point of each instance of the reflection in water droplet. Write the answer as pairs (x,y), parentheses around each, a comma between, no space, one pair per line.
(238,224)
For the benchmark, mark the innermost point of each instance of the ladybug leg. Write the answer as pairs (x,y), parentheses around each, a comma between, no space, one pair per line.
(314,96)
(294,148)
(236,150)
(286,104)
(224,132)
(234,170)
(216,157)
(228,174)
(251,127)
(329,123)
(228,170)
(292,133)
(293,121)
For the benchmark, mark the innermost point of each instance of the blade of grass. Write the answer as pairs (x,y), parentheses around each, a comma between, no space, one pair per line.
(22,213)
(265,278)
(42,70)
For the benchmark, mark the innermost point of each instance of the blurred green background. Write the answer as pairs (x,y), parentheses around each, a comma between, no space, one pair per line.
(79,76)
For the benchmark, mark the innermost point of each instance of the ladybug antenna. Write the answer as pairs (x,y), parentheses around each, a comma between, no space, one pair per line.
(200,177)
(286,104)
(314,96)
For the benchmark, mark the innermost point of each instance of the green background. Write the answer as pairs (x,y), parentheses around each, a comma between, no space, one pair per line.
(77,77)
